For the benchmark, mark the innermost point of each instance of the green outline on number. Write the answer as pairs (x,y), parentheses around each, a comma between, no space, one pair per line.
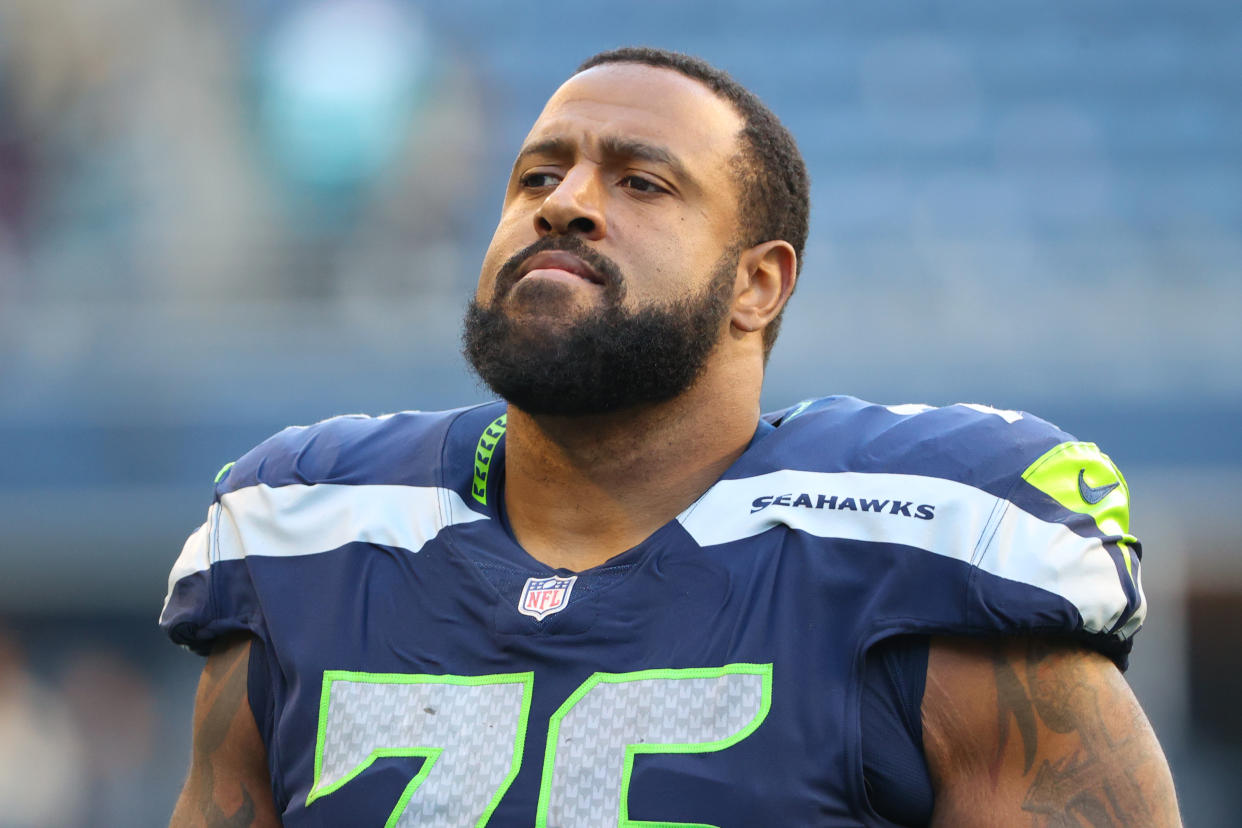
(623,816)
(428,753)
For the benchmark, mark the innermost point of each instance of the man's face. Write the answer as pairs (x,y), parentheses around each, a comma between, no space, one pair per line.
(615,257)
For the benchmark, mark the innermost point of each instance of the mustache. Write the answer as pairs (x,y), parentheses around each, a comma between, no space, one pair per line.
(606,268)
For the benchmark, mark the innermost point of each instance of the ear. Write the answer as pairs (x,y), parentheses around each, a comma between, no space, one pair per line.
(766,274)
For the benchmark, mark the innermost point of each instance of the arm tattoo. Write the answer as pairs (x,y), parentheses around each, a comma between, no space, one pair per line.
(1012,701)
(229,700)
(1094,785)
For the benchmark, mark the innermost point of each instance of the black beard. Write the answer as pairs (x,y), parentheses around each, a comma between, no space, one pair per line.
(609,360)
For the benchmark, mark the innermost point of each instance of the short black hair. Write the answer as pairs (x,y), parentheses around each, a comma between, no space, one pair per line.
(773,185)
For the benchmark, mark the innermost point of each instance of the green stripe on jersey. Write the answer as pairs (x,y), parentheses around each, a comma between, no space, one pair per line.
(220,474)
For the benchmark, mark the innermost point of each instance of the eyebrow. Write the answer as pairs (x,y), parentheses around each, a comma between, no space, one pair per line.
(612,147)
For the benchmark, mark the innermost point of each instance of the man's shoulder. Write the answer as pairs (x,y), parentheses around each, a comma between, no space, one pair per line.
(1022,502)
(972,443)
(401,448)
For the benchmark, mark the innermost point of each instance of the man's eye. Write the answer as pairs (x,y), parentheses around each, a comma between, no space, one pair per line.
(538,180)
(642,185)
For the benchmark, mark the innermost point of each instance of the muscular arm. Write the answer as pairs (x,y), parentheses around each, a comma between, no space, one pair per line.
(1039,733)
(228,786)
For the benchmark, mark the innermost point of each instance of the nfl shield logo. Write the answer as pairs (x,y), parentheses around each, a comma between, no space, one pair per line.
(544,596)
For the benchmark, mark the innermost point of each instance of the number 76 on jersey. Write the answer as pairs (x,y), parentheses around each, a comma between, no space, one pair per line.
(471,733)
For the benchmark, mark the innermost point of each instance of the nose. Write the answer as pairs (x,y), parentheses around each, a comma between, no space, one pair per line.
(574,206)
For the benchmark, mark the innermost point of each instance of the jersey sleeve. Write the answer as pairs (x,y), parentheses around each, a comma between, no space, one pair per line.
(210,592)
(305,491)
(1061,525)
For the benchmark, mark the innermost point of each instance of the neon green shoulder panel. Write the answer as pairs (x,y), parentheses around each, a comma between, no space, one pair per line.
(1084,479)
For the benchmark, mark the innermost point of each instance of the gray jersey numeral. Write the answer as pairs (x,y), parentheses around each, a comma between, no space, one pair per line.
(595,735)
(471,731)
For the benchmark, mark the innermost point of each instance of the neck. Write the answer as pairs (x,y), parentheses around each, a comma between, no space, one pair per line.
(580,490)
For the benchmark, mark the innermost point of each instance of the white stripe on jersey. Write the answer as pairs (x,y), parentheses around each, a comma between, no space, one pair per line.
(968,525)
(286,521)
(193,557)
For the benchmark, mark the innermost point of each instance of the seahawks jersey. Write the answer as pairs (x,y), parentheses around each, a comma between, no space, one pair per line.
(413,666)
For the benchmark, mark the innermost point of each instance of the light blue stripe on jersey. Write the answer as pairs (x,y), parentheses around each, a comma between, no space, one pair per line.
(967,524)
(286,521)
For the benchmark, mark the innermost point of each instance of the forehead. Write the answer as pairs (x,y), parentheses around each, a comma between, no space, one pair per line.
(635,101)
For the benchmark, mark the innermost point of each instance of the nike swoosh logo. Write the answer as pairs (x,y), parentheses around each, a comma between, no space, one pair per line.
(1093,494)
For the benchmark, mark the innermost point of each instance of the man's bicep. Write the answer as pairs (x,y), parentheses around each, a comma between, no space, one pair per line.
(228,783)
(1039,732)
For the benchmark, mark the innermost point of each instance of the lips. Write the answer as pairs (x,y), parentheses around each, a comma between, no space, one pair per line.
(560,260)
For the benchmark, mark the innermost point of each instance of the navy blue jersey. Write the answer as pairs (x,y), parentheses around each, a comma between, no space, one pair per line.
(414,666)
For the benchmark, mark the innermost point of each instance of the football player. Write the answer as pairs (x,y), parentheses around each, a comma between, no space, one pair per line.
(621,595)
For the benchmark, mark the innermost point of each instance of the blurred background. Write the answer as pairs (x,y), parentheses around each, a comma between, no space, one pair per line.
(220,217)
